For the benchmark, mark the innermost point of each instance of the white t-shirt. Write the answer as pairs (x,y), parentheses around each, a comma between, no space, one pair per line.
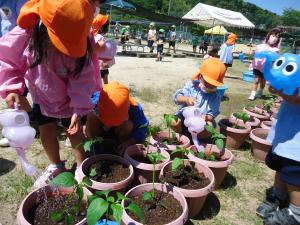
(151,34)
(172,36)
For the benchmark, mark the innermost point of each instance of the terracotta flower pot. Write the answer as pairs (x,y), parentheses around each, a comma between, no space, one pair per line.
(260,146)
(219,168)
(195,198)
(257,112)
(98,186)
(234,137)
(138,190)
(254,122)
(165,134)
(266,124)
(143,171)
(39,195)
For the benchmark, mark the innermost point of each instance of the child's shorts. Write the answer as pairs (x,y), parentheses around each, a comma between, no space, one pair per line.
(160,48)
(289,169)
(171,44)
(150,43)
(104,73)
(43,120)
(258,73)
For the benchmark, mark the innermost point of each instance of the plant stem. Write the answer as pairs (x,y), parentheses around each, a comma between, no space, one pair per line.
(153,179)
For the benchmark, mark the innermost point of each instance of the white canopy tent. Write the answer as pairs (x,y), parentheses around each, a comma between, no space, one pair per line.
(207,15)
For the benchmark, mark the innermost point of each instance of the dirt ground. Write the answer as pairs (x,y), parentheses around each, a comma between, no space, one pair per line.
(153,84)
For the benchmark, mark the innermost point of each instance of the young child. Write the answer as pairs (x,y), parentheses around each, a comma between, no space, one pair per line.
(151,36)
(195,43)
(160,44)
(50,49)
(201,92)
(172,38)
(227,49)
(106,50)
(282,204)
(117,117)
(271,43)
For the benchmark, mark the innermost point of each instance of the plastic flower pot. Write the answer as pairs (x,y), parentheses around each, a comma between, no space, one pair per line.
(266,124)
(143,171)
(98,186)
(254,122)
(195,198)
(257,112)
(219,168)
(185,141)
(260,146)
(39,195)
(140,189)
(234,137)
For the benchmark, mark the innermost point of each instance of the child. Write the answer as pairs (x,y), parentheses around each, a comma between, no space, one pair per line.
(50,49)
(227,49)
(151,36)
(172,38)
(282,204)
(201,92)
(160,44)
(106,50)
(271,43)
(123,38)
(119,117)
(195,43)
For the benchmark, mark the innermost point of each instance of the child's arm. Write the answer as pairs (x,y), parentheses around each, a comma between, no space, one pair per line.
(183,96)
(13,64)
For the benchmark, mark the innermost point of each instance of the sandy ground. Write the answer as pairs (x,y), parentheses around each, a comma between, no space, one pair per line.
(152,84)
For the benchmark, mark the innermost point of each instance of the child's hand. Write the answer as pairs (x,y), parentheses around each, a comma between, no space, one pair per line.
(190,101)
(74,125)
(11,99)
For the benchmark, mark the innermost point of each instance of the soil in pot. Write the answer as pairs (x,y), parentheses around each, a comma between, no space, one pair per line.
(41,213)
(168,141)
(108,171)
(165,209)
(186,177)
(259,112)
(262,136)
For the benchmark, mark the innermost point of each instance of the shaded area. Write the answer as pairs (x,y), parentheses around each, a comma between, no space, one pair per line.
(228,182)
(6,166)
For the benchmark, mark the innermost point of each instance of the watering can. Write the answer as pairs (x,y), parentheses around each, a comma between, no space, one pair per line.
(193,120)
(20,135)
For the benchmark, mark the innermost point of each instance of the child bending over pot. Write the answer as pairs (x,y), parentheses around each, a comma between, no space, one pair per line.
(201,91)
(282,203)
(117,117)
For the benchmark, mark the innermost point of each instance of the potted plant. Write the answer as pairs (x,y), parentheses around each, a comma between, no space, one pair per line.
(104,207)
(139,157)
(65,204)
(266,124)
(161,204)
(257,112)
(169,139)
(260,146)
(107,172)
(193,179)
(235,132)
(241,118)
(214,156)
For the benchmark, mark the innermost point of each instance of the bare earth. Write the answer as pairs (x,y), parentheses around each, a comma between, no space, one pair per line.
(153,84)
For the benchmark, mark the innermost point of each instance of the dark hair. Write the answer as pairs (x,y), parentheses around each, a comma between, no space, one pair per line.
(40,42)
(104,28)
(275,31)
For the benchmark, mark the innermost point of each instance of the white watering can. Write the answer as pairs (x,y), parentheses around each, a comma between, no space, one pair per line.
(193,120)
(20,135)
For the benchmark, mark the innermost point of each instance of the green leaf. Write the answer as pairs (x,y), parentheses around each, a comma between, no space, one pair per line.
(79,192)
(220,144)
(155,157)
(91,198)
(174,135)
(65,179)
(121,197)
(87,181)
(221,136)
(168,119)
(104,192)
(96,210)
(201,155)
(87,145)
(111,199)
(176,163)
(136,210)
(147,196)
(178,150)
(76,208)
(70,219)
(56,216)
(212,158)
(93,172)
(117,210)
(210,129)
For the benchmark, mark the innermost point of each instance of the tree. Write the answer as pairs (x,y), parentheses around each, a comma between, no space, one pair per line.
(291,17)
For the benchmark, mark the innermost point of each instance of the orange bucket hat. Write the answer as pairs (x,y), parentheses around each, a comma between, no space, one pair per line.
(68,22)
(231,39)
(98,22)
(213,72)
(114,103)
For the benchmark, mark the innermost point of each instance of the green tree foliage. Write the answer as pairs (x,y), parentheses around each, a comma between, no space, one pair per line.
(291,17)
